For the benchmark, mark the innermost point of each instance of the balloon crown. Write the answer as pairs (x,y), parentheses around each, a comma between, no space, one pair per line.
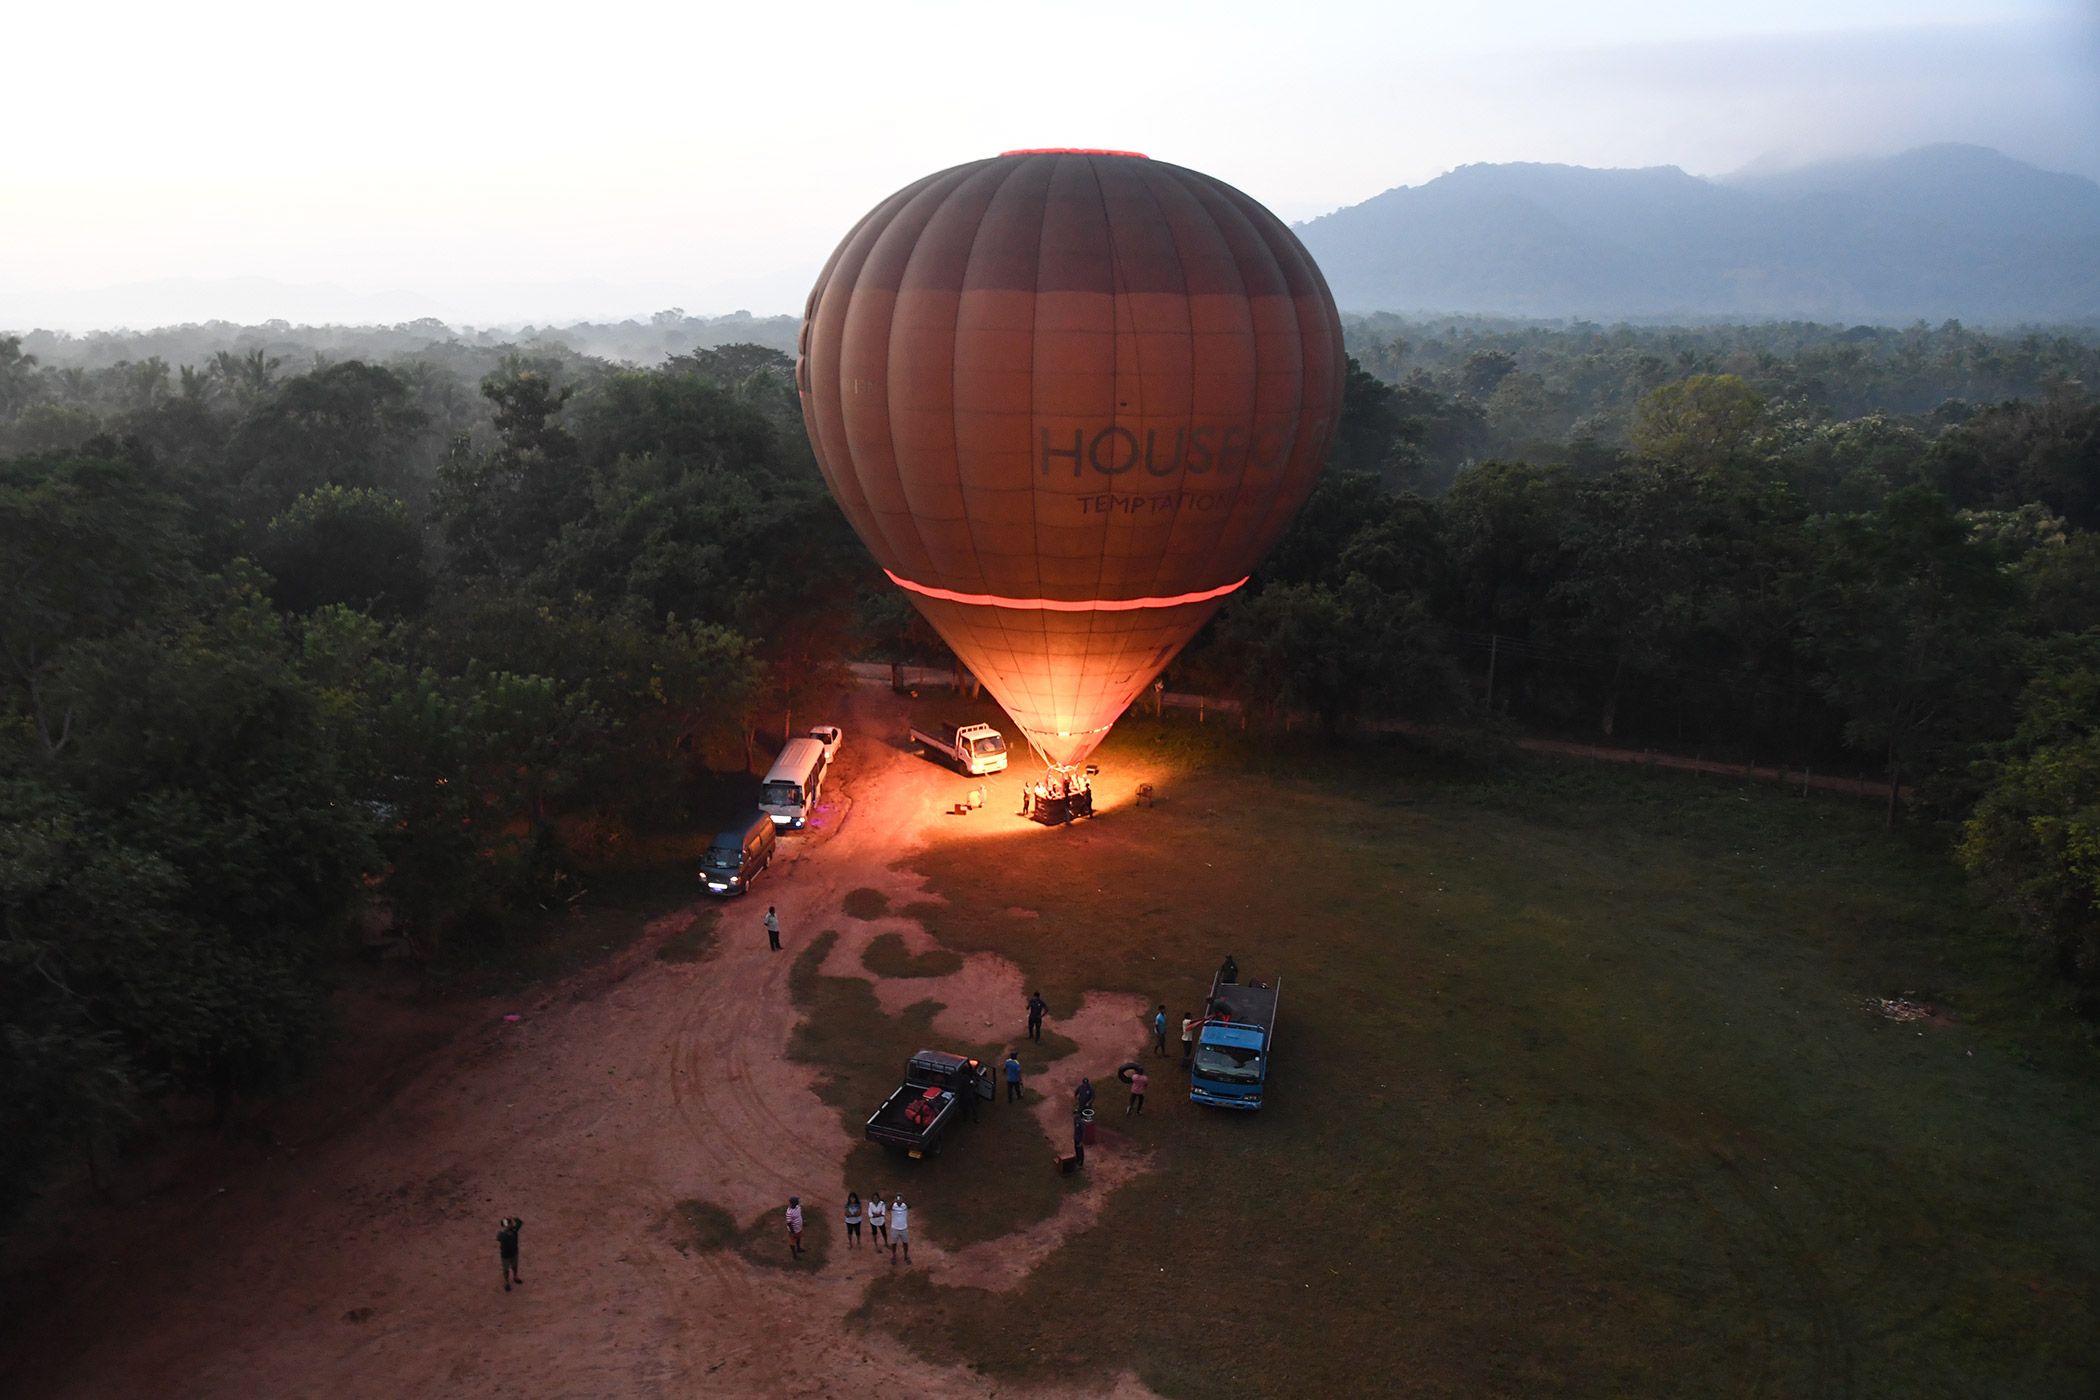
(1073,151)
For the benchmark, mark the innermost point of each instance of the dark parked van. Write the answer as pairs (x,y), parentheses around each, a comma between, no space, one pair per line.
(736,857)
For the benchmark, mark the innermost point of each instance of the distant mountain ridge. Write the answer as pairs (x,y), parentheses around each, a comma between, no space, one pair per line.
(1938,232)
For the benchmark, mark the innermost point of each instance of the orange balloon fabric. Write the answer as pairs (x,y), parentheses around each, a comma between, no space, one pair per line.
(1069,399)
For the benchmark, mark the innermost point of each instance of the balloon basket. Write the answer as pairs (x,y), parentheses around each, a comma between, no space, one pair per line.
(1061,796)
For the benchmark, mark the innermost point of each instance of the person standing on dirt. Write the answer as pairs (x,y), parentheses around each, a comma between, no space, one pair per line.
(1159,1030)
(1079,1138)
(507,1247)
(1139,1083)
(773,927)
(794,1220)
(1188,1039)
(878,1220)
(1230,972)
(1013,1077)
(1083,1096)
(853,1220)
(900,1229)
(1037,1008)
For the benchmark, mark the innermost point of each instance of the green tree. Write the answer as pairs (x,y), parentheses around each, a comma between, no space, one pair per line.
(1341,503)
(77,912)
(887,628)
(218,841)
(2033,842)
(1503,526)
(89,544)
(1484,371)
(2063,582)
(1707,420)
(348,545)
(522,714)
(245,379)
(1293,654)
(1853,465)
(1653,553)
(19,382)
(2011,453)
(1338,654)
(1903,617)
(678,418)
(350,424)
(502,509)
(1369,422)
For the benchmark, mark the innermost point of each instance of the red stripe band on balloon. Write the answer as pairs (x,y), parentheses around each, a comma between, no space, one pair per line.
(1070,151)
(993,600)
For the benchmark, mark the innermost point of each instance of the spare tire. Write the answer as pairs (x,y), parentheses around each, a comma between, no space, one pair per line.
(1130,1067)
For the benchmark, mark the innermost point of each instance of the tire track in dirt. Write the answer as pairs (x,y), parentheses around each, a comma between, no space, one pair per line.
(1776,1276)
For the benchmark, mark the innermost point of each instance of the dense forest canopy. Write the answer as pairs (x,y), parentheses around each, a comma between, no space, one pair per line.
(299,623)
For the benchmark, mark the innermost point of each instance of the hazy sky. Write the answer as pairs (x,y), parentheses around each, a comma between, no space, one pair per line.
(527,161)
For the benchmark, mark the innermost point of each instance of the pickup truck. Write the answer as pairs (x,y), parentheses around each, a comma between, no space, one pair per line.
(1233,1044)
(975,748)
(938,1088)
(829,736)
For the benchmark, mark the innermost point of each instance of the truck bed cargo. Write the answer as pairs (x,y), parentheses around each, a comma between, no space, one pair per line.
(1245,1002)
(939,1088)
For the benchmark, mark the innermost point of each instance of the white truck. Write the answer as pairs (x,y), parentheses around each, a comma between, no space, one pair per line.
(974,748)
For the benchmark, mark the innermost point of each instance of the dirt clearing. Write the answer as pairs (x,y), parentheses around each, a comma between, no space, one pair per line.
(365,1264)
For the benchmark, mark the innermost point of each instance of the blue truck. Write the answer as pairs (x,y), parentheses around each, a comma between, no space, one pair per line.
(1233,1044)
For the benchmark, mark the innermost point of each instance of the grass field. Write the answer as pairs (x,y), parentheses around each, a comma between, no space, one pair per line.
(1575,1091)
(886,957)
(537,947)
(705,1226)
(694,942)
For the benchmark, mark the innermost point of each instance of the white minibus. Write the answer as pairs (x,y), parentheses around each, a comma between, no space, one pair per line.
(790,791)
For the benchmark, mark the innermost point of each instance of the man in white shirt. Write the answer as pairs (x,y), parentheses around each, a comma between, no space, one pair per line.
(878,1221)
(794,1218)
(900,1228)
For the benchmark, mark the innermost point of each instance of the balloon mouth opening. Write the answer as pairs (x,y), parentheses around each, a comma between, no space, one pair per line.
(1073,151)
(1043,737)
(1061,750)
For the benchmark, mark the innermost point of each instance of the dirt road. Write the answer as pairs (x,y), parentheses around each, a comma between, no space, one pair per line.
(365,1265)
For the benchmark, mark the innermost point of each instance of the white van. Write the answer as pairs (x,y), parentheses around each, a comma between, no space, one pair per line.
(790,791)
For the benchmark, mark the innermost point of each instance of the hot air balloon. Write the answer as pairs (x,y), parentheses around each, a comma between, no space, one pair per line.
(1069,399)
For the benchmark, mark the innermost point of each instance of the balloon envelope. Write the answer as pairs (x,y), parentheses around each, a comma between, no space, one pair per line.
(1069,399)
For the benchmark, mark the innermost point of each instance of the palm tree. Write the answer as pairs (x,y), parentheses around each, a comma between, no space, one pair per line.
(245,378)
(18,377)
